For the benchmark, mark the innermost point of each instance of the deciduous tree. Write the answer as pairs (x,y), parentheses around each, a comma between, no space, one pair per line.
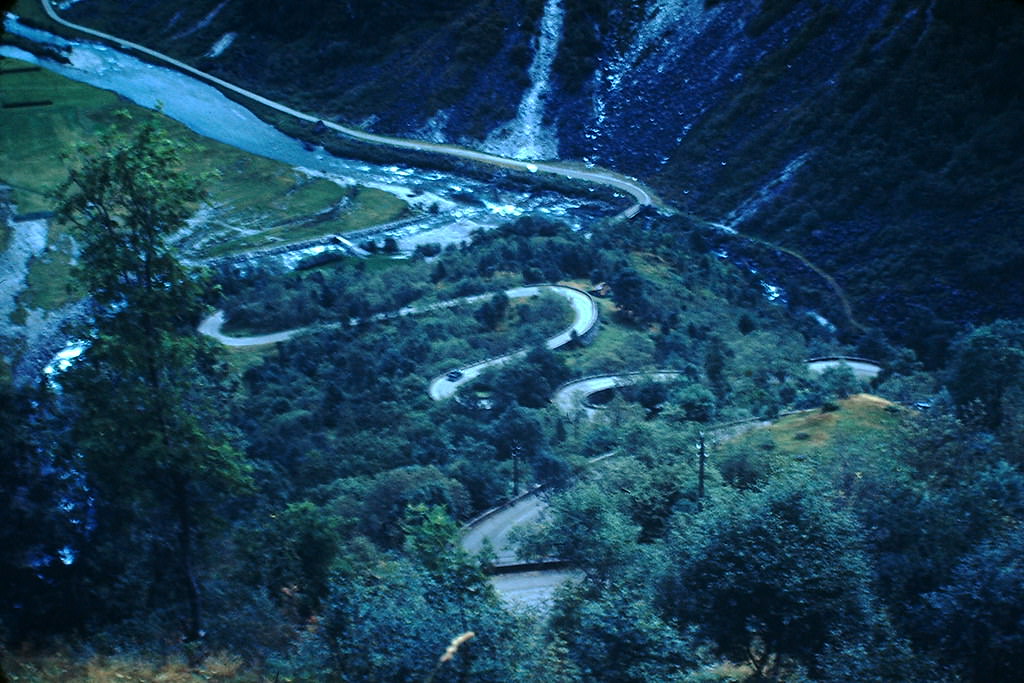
(773,578)
(987,363)
(978,617)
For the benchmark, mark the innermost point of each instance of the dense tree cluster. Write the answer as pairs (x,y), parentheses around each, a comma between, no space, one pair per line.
(299,505)
(855,563)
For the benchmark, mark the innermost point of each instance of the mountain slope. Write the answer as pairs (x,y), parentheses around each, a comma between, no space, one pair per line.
(881,139)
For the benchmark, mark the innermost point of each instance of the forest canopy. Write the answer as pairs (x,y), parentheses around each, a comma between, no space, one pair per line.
(292,503)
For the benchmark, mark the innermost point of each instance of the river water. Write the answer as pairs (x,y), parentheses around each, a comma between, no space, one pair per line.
(463,204)
(459,204)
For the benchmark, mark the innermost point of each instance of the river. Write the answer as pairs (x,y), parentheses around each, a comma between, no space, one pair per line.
(463,203)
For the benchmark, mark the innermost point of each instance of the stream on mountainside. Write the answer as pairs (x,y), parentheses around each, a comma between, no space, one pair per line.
(526,137)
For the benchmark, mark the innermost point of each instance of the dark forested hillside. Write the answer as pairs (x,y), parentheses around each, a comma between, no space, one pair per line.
(879,139)
(900,172)
(172,509)
(358,60)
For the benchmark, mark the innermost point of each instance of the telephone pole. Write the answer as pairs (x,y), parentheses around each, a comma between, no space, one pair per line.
(700,474)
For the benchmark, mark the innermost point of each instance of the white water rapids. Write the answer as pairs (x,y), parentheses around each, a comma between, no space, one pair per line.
(462,204)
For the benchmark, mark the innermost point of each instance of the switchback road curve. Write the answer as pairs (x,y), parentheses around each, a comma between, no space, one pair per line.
(862,368)
(571,397)
(212,326)
(530,588)
(585,317)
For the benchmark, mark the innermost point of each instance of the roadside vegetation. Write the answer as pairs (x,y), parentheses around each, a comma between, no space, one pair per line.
(292,512)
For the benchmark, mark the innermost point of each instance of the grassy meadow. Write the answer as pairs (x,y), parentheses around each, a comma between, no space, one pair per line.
(253,201)
(820,436)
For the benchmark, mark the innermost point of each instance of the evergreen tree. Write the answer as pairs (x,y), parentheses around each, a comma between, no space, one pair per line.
(156,454)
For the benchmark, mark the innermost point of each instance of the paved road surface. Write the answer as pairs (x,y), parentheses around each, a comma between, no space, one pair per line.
(570,398)
(497,527)
(862,369)
(585,316)
(529,589)
(211,327)
(533,590)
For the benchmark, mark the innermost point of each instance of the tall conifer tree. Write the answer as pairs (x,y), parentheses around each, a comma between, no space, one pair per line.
(157,455)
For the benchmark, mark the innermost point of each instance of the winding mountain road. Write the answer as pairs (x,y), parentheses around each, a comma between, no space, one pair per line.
(641,195)
(585,316)
(493,529)
(570,398)
(532,588)
(211,327)
(527,587)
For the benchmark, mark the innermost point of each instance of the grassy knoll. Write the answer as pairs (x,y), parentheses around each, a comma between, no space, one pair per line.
(240,359)
(862,414)
(610,350)
(617,346)
(253,201)
(49,284)
(818,435)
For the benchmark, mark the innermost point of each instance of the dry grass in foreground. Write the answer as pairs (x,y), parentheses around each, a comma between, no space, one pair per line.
(63,668)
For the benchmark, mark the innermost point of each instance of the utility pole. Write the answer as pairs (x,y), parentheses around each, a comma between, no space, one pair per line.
(515,470)
(700,474)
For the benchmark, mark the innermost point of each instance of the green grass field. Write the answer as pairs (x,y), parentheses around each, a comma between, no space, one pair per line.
(241,359)
(254,201)
(49,284)
(287,222)
(617,345)
(861,431)
(31,9)
(817,434)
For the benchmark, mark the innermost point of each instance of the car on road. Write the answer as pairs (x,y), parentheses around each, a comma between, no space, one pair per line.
(454,376)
